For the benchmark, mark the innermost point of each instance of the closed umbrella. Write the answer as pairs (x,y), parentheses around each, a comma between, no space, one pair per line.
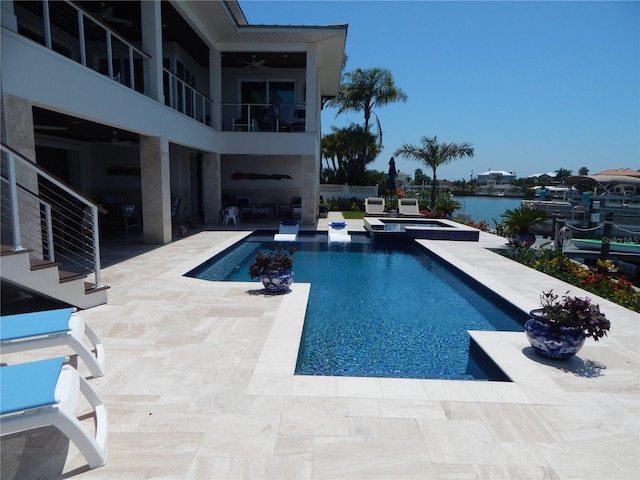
(391,181)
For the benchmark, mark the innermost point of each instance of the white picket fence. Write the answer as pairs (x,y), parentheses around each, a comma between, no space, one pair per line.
(329,191)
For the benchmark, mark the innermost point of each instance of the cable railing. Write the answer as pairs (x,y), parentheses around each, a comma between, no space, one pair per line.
(68,30)
(187,100)
(263,117)
(42,214)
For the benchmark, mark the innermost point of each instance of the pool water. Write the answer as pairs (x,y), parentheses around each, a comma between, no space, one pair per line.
(381,311)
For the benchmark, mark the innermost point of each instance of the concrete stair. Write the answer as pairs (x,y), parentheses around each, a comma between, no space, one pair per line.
(46,278)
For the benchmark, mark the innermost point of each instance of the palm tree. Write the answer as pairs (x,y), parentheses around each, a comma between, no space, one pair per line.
(363,90)
(434,154)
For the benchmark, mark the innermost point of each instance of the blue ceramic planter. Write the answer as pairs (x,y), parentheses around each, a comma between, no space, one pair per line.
(551,340)
(277,281)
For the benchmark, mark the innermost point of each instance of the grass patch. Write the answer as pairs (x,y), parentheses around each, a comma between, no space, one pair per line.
(352,215)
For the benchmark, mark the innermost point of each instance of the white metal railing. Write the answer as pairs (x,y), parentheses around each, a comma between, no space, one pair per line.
(187,100)
(68,30)
(263,117)
(50,218)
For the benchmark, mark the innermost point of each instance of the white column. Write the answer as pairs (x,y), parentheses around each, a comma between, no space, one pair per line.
(152,45)
(215,87)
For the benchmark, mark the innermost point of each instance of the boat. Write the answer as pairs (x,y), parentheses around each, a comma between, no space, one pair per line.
(614,196)
(619,247)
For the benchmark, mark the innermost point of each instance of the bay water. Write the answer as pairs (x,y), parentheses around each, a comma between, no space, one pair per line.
(486,208)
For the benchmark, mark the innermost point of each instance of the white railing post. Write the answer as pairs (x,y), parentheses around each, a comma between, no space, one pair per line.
(47,24)
(49,225)
(83,46)
(109,55)
(96,246)
(132,70)
(13,196)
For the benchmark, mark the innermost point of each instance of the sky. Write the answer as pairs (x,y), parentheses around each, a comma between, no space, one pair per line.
(532,86)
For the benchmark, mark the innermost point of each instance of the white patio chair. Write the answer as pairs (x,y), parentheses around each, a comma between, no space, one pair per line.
(409,207)
(230,214)
(374,206)
(45,392)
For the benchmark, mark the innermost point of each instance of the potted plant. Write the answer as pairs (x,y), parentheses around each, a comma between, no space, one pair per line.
(559,328)
(518,223)
(274,269)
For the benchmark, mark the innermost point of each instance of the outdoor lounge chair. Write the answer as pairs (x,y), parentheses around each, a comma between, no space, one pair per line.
(338,232)
(52,328)
(409,207)
(374,206)
(288,231)
(45,392)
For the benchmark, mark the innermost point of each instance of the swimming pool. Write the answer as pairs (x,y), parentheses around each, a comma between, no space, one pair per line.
(381,311)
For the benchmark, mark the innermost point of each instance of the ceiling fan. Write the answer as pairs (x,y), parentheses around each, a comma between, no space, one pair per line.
(254,63)
(115,140)
(106,15)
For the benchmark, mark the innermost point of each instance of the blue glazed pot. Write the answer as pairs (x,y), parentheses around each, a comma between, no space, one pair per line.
(277,281)
(553,341)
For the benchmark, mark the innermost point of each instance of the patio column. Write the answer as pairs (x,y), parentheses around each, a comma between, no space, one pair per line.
(310,198)
(17,132)
(212,188)
(156,189)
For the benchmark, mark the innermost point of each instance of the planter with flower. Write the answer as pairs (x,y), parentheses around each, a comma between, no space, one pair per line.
(274,269)
(559,328)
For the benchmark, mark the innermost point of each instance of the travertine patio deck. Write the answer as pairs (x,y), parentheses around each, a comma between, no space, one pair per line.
(200,384)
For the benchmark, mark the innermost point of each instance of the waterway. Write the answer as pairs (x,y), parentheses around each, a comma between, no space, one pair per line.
(486,208)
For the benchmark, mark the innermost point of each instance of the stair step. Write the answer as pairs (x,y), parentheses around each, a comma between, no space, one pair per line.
(69,276)
(38,264)
(7,250)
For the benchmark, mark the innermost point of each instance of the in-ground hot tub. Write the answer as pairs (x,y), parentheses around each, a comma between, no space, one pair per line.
(427,228)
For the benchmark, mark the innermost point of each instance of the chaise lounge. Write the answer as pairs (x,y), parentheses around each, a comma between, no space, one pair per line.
(338,232)
(45,392)
(52,328)
(374,207)
(409,207)
(288,231)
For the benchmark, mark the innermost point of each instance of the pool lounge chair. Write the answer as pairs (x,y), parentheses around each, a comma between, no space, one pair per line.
(338,232)
(409,207)
(52,328)
(288,231)
(45,392)
(374,206)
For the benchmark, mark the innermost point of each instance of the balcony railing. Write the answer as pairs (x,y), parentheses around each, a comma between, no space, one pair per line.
(186,99)
(263,117)
(66,29)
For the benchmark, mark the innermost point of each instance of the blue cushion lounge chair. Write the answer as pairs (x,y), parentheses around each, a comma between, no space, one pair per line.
(288,231)
(52,328)
(45,392)
(338,232)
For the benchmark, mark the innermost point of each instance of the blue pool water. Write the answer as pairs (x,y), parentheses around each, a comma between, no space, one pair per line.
(377,311)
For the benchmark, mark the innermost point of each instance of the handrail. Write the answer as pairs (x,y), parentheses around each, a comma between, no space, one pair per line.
(76,212)
(189,94)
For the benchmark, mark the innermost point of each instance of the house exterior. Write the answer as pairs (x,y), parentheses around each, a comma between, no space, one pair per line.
(175,108)
(495,177)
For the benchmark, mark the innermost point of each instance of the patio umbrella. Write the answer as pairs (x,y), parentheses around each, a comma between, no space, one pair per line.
(391,181)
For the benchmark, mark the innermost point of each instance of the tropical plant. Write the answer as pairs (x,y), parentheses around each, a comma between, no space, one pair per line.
(578,312)
(434,154)
(344,147)
(365,89)
(520,220)
(278,259)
